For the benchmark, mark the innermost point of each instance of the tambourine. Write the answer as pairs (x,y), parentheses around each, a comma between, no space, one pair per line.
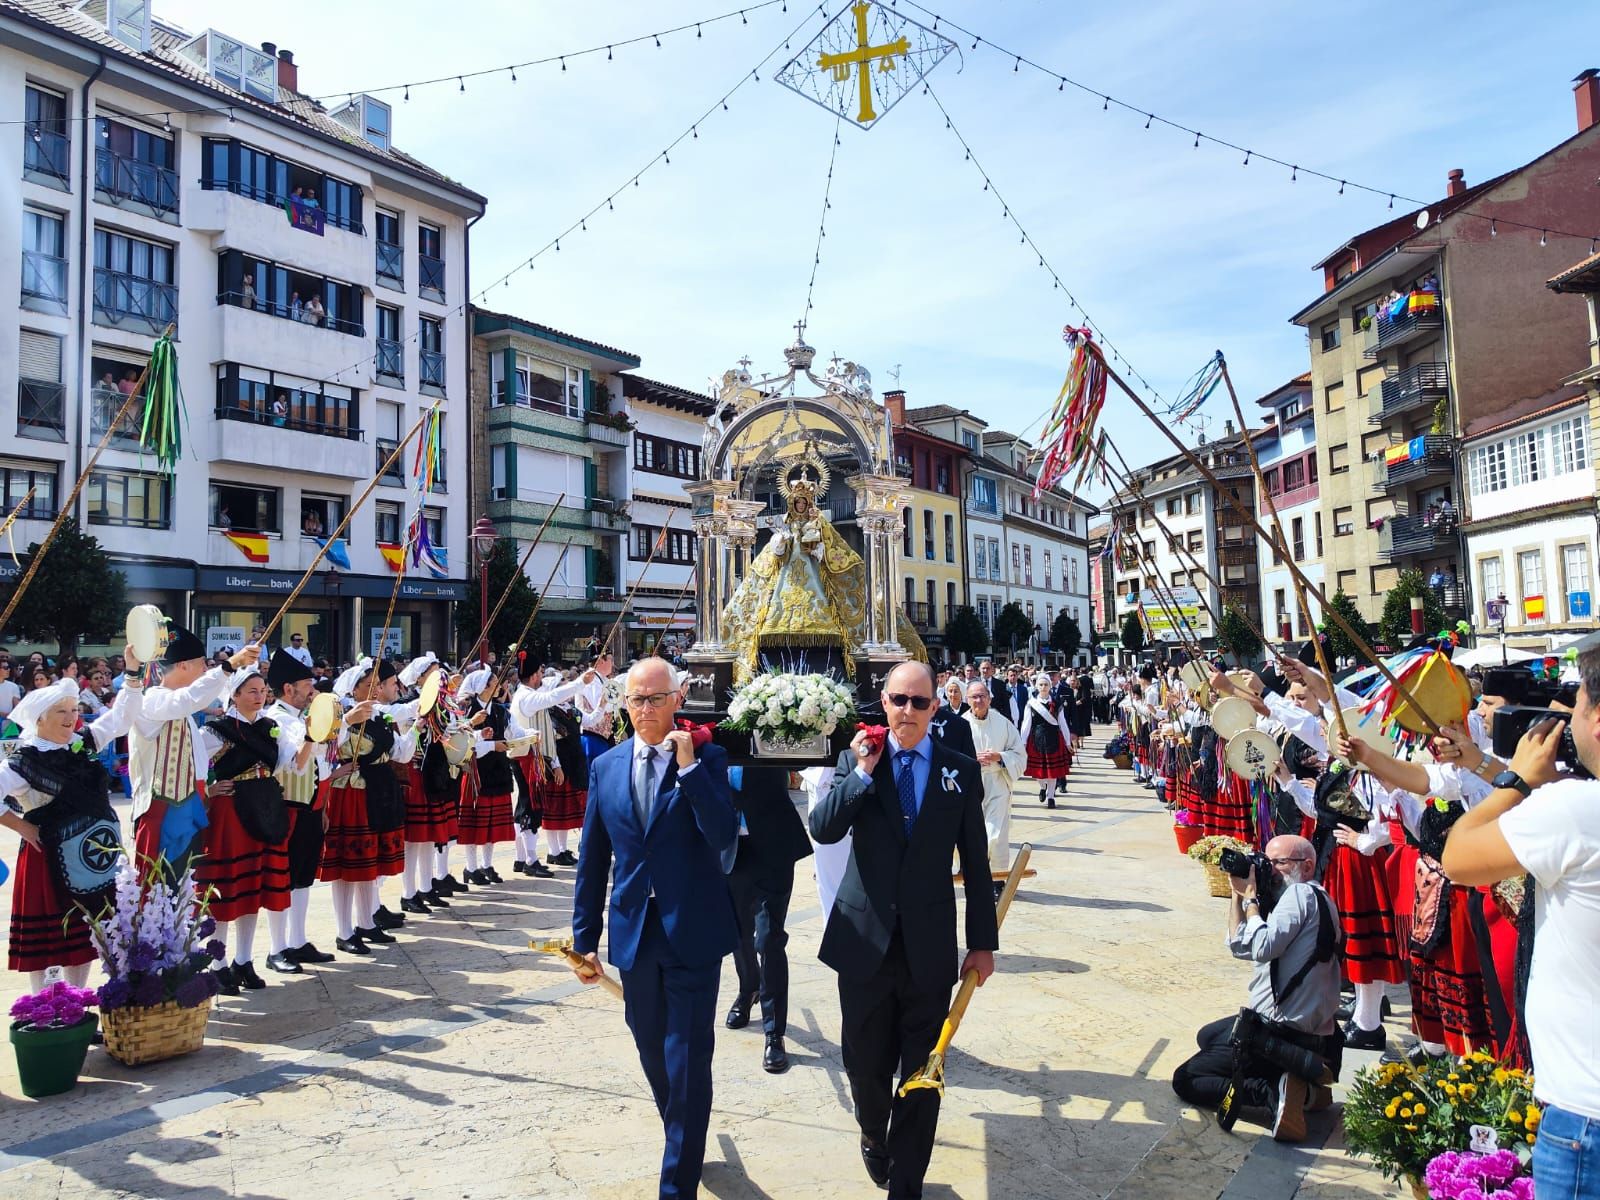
(1368,729)
(1195,675)
(1232,716)
(457,746)
(1252,754)
(428,693)
(1246,681)
(147,632)
(519,747)
(322,718)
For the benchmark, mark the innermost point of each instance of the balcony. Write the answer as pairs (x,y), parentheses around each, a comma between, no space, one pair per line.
(1437,457)
(1237,555)
(392,263)
(44,282)
(104,405)
(46,157)
(124,182)
(41,410)
(391,362)
(920,613)
(295,443)
(1414,323)
(430,276)
(252,415)
(396,474)
(430,366)
(1422,385)
(1405,537)
(293,311)
(134,301)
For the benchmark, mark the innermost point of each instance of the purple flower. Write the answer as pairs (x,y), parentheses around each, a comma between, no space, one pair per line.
(142,958)
(216,950)
(114,993)
(195,990)
(151,990)
(206,928)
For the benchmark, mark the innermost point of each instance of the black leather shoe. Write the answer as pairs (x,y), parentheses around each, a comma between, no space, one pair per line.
(381,937)
(310,954)
(565,859)
(245,975)
(538,870)
(450,884)
(1050,803)
(776,1059)
(519,867)
(876,1158)
(434,897)
(283,964)
(226,983)
(353,945)
(1364,1039)
(739,1014)
(384,919)
(491,875)
(475,878)
(411,904)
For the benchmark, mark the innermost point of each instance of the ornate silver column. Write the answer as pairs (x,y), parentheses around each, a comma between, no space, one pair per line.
(741,540)
(880,501)
(710,527)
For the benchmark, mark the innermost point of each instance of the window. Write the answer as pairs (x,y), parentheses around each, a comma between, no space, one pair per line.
(391,362)
(430,354)
(386,527)
(983,495)
(391,247)
(46,150)
(41,398)
(983,612)
(1073,564)
(133,282)
(1486,469)
(1049,575)
(980,558)
(1280,604)
(1196,539)
(1016,563)
(1172,506)
(232,166)
(1027,566)
(243,68)
(949,538)
(1333,397)
(1330,336)
(1191,504)
(996,568)
(1347,582)
(1569,446)
(1297,538)
(18,476)
(430,260)
(932,601)
(375,122)
(1339,458)
(129,498)
(905,520)
(320,515)
(1527,455)
(1343,521)
(1368,378)
(245,509)
(1316,519)
(115,375)
(941,482)
(949,602)
(433,522)
(1575,577)
(663,456)
(44,261)
(1492,573)
(1361,311)
(1530,566)
(262,397)
(244,281)
(927,534)
(135,165)
(536,383)
(969,439)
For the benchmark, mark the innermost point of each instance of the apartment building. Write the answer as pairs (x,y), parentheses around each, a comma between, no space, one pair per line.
(1432,328)
(314,275)
(1286,449)
(932,551)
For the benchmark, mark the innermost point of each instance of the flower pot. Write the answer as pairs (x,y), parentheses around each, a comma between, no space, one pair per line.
(1217,881)
(1418,1189)
(1187,836)
(770,745)
(49,1059)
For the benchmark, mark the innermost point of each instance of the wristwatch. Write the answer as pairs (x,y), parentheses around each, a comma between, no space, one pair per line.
(1249,900)
(1485,768)
(1510,779)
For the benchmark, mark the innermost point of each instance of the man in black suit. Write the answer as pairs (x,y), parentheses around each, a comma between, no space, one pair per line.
(952,730)
(1010,697)
(909,804)
(772,838)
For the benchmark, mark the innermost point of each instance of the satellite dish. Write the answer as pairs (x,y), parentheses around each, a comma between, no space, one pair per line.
(1422,219)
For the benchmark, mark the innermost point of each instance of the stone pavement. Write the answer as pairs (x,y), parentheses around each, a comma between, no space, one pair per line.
(458,1064)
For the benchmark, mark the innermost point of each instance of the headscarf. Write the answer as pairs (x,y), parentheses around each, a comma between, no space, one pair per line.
(346,683)
(32,707)
(417,668)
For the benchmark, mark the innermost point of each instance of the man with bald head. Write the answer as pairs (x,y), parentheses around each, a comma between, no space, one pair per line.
(659,817)
(1295,949)
(909,803)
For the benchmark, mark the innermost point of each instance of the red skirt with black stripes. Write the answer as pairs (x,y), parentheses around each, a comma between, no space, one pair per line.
(1359,889)
(245,876)
(47,930)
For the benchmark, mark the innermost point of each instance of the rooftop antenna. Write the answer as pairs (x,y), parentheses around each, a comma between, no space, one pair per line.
(894,373)
(1201,420)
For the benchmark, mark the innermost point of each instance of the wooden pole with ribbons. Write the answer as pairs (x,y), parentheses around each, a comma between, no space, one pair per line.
(11,517)
(394,456)
(682,592)
(37,556)
(494,615)
(628,599)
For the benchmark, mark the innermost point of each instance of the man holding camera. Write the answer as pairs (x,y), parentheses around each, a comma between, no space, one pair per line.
(1273,1062)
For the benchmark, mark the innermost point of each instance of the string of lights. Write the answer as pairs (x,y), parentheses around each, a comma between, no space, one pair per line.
(822,228)
(1296,170)
(607,203)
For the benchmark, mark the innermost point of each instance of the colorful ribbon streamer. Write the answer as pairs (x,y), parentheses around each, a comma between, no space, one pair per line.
(1067,442)
(164,417)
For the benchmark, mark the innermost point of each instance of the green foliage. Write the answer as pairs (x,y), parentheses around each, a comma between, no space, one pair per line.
(1012,627)
(1339,645)
(76,596)
(502,571)
(1235,635)
(965,634)
(1065,636)
(1132,633)
(1395,624)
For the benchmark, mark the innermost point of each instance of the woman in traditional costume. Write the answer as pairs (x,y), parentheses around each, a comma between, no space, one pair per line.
(486,786)
(1045,733)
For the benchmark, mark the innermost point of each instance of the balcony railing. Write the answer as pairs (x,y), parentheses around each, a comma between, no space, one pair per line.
(257,416)
(430,273)
(140,182)
(293,311)
(1412,323)
(46,153)
(1414,387)
(391,262)
(396,472)
(41,410)
(1438,457)
(430,365)
(44,280)
(391,360)
(1401,537)
(120,298)
(278,199)
(104,405)
(513,395)
(920,613)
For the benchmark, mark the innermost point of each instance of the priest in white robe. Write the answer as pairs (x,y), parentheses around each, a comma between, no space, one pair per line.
(1004,758)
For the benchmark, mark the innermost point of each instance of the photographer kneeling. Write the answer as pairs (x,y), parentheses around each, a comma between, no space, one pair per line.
(1273,1062)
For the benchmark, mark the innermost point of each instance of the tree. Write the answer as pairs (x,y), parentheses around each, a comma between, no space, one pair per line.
(1065,636)
(1012,627)
(502,571)
(1339,644)
(1395,624)
(76,596)
(965,634)
(1132,633)
(1236,637)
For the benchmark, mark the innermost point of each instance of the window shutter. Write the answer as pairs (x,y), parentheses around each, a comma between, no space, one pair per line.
(39,357)
(588,392)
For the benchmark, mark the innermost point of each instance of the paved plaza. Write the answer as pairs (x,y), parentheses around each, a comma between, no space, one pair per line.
(459,1064)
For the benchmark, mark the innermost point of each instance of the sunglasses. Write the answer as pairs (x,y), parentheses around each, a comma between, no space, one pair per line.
(901,700)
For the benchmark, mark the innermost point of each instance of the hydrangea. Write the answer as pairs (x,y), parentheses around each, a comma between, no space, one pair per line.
(791,705)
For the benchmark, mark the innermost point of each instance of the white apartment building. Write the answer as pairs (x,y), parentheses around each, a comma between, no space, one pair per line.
(1287,452)
(164,178)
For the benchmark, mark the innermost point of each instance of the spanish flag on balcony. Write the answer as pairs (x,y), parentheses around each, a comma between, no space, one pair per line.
(1533,608)
(252,545)
(393,554)
(1397,454)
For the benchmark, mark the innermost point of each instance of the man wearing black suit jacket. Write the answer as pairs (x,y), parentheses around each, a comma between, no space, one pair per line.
(909,804)
(1010,698)
(951,729)
(772,838)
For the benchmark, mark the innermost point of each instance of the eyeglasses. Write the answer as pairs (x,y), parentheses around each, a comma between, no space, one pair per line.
(901,700)
(653,700)
(1284,862)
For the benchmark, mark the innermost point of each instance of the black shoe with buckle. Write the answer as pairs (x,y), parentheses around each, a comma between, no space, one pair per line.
(775,1061)
(565,859)
(875,1155)
(739,1013)
(411,904)
(434,897)
(353,945)
(374,935)
(245,975)
(310,954)
(1356,1038)
(282,963)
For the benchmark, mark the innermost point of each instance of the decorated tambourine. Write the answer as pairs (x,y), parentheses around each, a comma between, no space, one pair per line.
(1252,754)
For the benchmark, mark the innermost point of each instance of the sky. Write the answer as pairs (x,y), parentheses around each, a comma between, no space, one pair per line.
(1175,251)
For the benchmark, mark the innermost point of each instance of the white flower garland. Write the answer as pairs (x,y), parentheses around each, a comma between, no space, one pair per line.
(791,706)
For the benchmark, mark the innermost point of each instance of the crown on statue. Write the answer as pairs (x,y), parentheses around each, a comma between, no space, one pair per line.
(805,479)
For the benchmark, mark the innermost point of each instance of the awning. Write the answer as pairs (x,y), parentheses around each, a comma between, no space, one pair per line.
(662,621)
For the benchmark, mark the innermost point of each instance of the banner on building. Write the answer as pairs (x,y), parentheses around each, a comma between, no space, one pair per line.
(224,637)
(1533,608)
(1165,608)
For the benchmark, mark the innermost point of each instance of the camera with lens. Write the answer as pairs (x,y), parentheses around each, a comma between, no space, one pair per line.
(1514,720)
(1269,884)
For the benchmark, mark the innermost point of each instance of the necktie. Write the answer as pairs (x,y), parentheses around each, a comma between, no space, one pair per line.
(905,782)
(644,786)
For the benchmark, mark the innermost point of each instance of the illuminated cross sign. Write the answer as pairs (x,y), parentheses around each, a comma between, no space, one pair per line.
(862,62)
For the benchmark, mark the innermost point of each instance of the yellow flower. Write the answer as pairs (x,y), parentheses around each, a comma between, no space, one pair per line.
(1413,1129)
(1533,1123)
(1453,1077)
(1450,1089)
(1514,1117)
(1405,1112)
(1419,1109)
(1468,1090)
(1407,1096)
(1531,1139)
(1534,1110)
(1393,1106)
(1501,1075)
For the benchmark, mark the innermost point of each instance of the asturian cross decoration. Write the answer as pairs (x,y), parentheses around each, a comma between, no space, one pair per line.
(864,61)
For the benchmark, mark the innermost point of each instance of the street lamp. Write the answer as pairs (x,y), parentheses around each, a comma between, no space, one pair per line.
(483,537)
(330,588)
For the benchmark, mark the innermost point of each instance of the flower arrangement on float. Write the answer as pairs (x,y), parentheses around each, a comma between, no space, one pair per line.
(790,712)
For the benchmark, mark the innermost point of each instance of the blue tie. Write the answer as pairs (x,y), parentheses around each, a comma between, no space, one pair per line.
(905,781)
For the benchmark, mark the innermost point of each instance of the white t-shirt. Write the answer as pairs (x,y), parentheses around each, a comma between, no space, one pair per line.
(10,693)
(1555,833)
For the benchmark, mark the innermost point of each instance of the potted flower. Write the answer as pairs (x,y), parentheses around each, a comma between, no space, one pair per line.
(1207,851)
(791,715)
(153,943)
(50,1032)
(1186,828)
(1456,1174)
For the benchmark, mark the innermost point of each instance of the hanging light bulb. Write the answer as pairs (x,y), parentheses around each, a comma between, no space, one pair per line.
(563,62)
(742,18)
(1246,159)
(1391,199)
(697,31)
(1544,239)
(1016,65)
(1148,117)
(513,74)
(1104,107)
(407,97)
(1197,141)
(462,82)
(1294,174)
(608,53)
(1341,187)
(658,40)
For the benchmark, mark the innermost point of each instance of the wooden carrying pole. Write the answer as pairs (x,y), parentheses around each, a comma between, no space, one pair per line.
(682,592)
(1328,610)
(494,614)
(394,456)
(627,600)
(67,505)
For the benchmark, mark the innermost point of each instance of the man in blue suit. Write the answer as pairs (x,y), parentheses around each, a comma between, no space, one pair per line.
(664,816)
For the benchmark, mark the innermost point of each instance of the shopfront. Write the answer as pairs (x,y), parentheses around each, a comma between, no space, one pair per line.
(674,632)
(421,620)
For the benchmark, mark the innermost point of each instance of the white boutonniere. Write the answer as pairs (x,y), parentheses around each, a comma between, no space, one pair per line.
(949,780)
(939,725)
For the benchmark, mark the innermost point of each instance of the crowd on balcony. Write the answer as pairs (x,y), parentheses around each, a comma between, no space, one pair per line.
(1423,297)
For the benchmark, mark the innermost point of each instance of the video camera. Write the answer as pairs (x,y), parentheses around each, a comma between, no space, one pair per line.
(1269,884)
(1514,720)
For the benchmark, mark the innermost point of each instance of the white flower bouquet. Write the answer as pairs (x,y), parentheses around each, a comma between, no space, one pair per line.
(791,707)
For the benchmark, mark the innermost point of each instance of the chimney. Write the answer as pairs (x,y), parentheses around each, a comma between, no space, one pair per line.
(1586,92)
(895,402)
(1457,184)
(1227,427)
(288,73)
(270,49)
